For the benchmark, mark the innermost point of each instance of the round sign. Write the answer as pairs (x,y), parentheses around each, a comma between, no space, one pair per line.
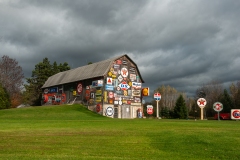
(217,106)
(201,102)
(236,114)
(109,111)
(79,88)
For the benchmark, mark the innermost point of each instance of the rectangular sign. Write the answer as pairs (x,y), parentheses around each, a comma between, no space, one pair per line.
(98,83)
(53,90)
(136,85)
(109,87)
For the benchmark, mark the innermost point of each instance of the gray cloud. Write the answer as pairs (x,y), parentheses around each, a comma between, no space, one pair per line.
(179,43)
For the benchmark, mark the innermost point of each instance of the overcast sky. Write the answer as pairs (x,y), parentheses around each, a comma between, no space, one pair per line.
(181,43)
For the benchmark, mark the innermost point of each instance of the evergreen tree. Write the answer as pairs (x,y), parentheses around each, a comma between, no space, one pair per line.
(180,109)
(40,74)
(4,98)
(227,102)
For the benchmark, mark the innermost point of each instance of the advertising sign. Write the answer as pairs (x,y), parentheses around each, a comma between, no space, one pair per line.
(79,88)
(201,102)
(157,96)
(149,109)
(98,83)
(217,106)
(235,114)
(109,111)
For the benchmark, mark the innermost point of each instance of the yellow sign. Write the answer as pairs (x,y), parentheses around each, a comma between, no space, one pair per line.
(74,93)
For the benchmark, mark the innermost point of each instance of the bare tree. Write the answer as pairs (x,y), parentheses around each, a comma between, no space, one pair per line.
(11,77)
(213,91)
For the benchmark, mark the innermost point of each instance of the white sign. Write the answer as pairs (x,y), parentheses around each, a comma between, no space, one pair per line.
(109,111)
(109,81)
(124,72)
(235,113)
(217,106)
(201,102)
(136,85)
(157,96)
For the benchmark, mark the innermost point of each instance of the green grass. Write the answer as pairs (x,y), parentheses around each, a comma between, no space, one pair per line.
(73,132)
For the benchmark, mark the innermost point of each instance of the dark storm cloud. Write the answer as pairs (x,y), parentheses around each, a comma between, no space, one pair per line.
(179,43)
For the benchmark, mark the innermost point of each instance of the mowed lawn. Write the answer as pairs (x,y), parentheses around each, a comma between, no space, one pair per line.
(73,132)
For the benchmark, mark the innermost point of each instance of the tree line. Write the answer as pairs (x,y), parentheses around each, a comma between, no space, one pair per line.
(13,90)
(175,104)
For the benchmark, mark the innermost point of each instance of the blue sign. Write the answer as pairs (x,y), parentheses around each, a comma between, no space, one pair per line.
(53,90)
(109,87)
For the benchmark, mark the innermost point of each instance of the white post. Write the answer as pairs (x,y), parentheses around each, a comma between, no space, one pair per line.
(157,110)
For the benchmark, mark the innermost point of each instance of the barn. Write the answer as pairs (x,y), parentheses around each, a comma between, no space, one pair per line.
(110,87)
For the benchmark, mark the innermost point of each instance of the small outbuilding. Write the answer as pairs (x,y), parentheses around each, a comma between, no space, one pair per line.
(111,87)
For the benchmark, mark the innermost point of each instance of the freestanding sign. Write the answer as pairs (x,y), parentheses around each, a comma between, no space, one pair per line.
(217,106)
(235,114)
(157,97)
(201,103)
(149,109)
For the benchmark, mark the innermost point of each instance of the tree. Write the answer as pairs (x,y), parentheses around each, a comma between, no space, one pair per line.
(226,100)
(43,70)
(11,78)
(213,91)
(235,94)
(180,109)
(4,98)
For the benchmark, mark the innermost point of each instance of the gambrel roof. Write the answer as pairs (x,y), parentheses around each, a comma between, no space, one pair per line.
(94,70)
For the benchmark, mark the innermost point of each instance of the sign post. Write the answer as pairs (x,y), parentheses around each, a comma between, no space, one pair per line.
(217,106)
(201,103)
(157,97)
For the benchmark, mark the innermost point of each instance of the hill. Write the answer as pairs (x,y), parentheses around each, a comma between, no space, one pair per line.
(73,132)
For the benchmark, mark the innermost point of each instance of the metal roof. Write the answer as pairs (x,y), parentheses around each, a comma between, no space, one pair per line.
(81,73)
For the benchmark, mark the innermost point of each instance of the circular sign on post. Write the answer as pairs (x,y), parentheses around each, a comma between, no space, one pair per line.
(201,102)
(217,106)
(79,88)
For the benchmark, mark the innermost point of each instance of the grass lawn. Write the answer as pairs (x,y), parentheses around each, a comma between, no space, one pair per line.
(73,132)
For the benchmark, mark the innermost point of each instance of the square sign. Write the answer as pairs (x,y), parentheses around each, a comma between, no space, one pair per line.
(157,96)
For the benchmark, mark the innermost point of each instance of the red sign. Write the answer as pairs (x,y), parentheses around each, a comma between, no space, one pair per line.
(110,94)
(98,108)
(149,109)
(79,88)
(157,96)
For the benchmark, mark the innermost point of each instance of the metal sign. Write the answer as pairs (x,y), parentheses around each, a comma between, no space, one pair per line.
(235,114)
(201,102)
(79,88)
(217,106)
(109,111)
(157,96)
(149,109)
(124,86)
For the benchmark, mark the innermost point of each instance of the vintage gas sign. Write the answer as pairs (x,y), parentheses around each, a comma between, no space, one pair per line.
(124,72)
(217,106)
(149,109)
(79,88)
(201,102)
(124,86)
(109,111)
(235,114)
